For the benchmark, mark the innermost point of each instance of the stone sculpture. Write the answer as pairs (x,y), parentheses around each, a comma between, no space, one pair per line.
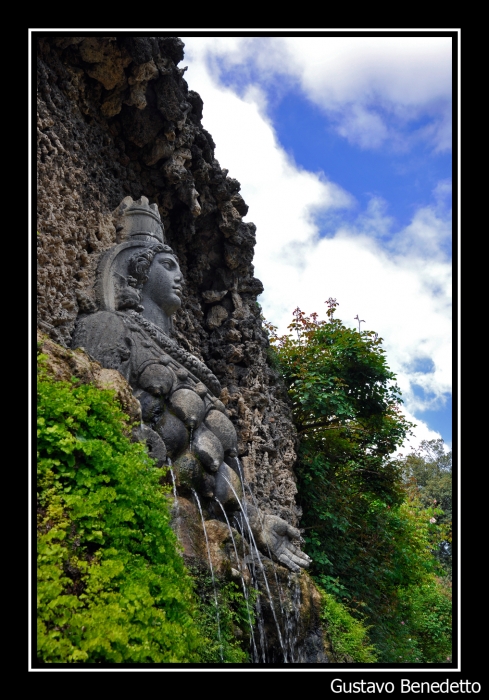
(138,289)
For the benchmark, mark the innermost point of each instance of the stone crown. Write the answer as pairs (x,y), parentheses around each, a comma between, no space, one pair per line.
(138,218)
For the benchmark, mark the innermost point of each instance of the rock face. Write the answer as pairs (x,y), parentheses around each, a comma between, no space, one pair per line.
(116,118)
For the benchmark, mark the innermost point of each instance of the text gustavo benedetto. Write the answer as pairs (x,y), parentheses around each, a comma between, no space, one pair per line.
(404,685)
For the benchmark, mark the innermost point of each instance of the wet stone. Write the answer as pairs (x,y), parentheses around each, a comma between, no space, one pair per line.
(157,380)
(208,448)
(173,432)
(200,389)
(151,407)
(154,443)
(188,406)
(188,473)
(222,427)
(208,485)
(228,487)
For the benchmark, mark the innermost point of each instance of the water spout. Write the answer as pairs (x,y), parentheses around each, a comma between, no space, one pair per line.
(168,462)
(283,608)
(293,622)
(281,596)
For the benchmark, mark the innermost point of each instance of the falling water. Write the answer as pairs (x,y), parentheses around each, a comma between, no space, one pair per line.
(252,541)
(245,592)
(242,479)
(259,613)
(212,573)
(168,462)
(281,596)
(261,626)
(176,507)
(293,623)
(191,438)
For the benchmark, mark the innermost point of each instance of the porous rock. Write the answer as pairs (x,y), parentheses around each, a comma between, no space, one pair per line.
(115,117)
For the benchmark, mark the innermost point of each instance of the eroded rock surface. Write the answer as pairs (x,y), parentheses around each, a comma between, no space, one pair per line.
(116,118)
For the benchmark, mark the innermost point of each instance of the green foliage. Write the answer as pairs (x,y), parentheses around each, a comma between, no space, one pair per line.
(428,612)
(338,378)
(428,472)
(273,359)
(348,636)
(346,408)
(400,632)
(226,639)
(370,538)
(112,586)
(421,629)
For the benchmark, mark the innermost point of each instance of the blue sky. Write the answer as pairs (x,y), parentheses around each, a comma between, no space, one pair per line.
(343,149)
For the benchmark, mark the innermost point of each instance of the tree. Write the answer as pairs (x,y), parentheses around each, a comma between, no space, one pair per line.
(428,472)
(369,538)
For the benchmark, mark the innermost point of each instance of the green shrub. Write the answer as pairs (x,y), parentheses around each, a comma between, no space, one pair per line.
(348,636)
(426,610)
(112,586)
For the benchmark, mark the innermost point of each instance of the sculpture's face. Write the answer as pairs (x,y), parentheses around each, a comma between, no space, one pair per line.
(164,285)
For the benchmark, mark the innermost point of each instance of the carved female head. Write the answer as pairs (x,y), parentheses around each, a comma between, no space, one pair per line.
(154,271)
(140,272)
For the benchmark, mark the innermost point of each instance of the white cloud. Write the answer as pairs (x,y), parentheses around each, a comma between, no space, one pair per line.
(402,290)
(420,433)
(406,71)
(371,88)
(362,127)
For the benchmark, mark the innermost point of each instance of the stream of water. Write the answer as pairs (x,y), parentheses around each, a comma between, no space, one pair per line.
(258,609)
(212,573)
(243,584)
(281,597)
(253,544)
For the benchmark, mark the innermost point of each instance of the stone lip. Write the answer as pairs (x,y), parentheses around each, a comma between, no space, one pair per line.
(187,524)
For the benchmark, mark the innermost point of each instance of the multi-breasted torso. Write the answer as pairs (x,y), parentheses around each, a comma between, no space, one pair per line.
(178,398)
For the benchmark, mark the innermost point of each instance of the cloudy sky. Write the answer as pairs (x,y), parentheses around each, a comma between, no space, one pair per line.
(343,150)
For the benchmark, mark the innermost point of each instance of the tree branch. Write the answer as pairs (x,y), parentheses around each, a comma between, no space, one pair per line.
(328,426)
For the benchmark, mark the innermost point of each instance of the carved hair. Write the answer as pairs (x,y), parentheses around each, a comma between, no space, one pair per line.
(121,280)
(140,262)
